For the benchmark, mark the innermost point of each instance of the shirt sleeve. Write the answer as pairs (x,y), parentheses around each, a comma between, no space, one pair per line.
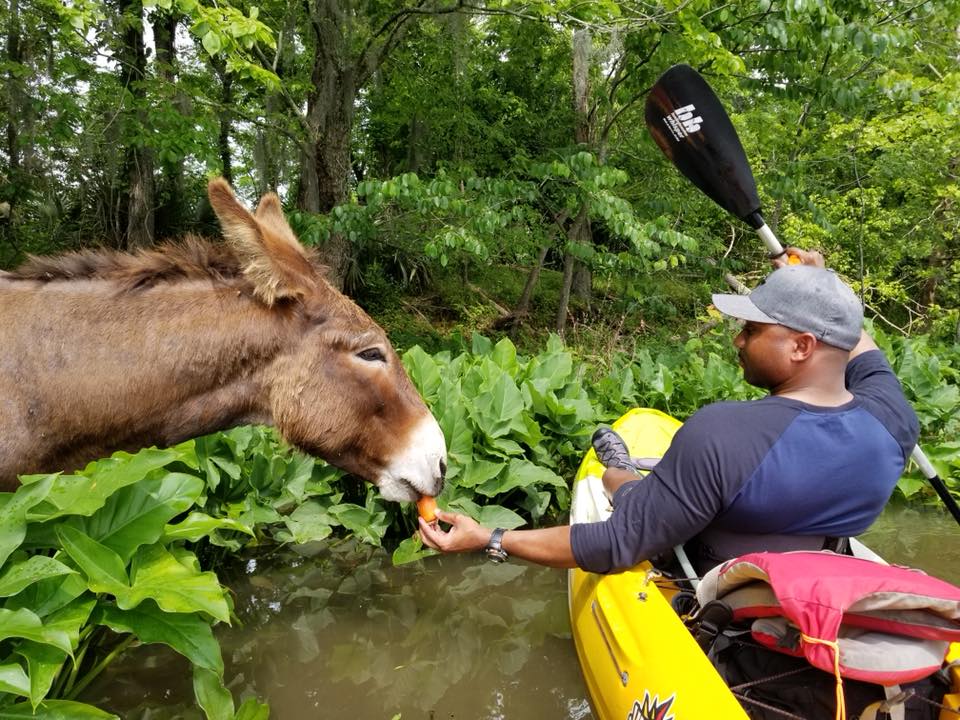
(676,500)
(871,379)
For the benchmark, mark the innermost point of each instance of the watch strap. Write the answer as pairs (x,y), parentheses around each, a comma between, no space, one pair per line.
(494,549)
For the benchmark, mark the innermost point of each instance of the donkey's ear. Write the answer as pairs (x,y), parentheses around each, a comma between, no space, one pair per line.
(272,258)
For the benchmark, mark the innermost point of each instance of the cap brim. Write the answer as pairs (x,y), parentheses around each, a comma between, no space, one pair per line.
(741,307)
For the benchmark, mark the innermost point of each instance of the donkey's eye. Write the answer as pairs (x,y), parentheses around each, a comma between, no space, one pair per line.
(372,355)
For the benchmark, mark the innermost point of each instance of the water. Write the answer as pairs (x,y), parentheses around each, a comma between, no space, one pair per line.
(343,634)
(926,538)
(337,632)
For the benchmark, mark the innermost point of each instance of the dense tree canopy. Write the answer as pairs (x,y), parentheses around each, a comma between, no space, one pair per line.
(405,136)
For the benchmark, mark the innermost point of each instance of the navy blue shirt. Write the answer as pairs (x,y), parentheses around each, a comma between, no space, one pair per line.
(775,466)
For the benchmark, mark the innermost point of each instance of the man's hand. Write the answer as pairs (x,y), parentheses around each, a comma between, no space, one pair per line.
(465,534)
(806,257)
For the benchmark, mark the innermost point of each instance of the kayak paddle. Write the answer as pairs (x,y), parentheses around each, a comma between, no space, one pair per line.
(689,123)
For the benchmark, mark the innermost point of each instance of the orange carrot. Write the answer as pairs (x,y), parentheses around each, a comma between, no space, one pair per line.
(427,507)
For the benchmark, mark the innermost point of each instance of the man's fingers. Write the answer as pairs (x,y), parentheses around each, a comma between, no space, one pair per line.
(428,537)
(806,257)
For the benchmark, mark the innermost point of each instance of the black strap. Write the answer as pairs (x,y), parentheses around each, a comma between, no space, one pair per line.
(710,621)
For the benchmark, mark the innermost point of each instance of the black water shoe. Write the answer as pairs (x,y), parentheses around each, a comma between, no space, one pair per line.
(612,450)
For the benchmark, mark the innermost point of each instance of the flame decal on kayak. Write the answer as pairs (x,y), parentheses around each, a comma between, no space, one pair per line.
(652,708)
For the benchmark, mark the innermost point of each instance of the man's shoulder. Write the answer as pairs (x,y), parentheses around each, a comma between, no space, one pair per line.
(721,421)
(727,410)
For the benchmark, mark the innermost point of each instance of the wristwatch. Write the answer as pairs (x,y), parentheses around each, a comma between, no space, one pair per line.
(494,552)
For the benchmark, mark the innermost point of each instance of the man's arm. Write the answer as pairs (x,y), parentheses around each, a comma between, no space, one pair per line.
(544,546)
(865,345)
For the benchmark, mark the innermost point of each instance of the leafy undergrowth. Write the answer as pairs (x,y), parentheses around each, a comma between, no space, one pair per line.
(123,551)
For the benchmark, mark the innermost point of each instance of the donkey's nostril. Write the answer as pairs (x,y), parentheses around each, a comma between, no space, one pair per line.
(443,469)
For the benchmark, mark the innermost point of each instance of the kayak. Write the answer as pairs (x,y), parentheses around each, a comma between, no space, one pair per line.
(638,659)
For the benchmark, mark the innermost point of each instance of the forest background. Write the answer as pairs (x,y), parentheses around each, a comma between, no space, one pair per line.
(479,177)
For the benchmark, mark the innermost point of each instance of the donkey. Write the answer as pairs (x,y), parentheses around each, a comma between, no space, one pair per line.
(103,351)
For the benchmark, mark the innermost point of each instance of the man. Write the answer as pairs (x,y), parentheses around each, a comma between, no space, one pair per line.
(815,460)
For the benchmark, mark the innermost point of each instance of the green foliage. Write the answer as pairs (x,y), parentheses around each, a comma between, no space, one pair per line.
(511,424)
(109,548)
(930,374)
(407,223)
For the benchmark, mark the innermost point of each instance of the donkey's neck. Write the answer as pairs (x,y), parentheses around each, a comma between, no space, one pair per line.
(91,371)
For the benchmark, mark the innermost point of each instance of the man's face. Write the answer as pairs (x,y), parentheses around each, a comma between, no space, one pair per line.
(765,351)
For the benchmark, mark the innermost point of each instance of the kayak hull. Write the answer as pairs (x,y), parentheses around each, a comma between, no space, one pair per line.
(638,659)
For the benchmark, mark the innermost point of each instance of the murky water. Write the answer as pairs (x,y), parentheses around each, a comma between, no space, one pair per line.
(340,633)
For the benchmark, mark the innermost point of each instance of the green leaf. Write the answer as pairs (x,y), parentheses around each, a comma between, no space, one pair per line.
(188,634)
(496,516)
(311,521)
(498,409)
(455,423)
(13,514)
(480,471)
(43,663)
(252,709)
(481,345)
(25,624)
(14,680)
(17,576)
(366,525)
(423,371)
(410,550)
(72,617)
(505,447)
(199,525)
(158,575)
(215,700)
(86,493)
(211,43)
(520,474)
(505,356)
(105,570)
(56,710)
(137,515)
(49,595)
(298,475)
(552,369)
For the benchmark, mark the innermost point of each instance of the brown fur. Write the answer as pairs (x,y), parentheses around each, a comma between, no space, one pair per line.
(101,351)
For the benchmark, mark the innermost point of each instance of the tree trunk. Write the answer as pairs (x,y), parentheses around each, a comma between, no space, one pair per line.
(564,302)
(139,158)
(582,280)
(325,156)
(225,117)
(14,91)
(171,209)
(415,149)
(523,304)
(266,153)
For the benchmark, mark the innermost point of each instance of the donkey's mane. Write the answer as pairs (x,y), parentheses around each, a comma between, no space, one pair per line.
(192,258)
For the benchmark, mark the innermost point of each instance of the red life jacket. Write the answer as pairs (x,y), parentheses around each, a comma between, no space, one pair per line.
(849,616)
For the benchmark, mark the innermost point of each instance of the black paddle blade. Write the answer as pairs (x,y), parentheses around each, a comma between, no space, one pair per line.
(689,124)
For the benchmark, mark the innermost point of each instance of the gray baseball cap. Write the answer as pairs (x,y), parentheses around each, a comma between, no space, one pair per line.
(804,298)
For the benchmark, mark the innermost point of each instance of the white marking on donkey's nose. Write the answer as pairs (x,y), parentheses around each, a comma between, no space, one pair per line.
(418,469)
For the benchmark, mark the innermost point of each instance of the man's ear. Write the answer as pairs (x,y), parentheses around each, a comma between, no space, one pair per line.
(803,346)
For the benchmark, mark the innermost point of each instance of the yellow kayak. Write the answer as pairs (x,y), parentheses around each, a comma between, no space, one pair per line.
(638,659)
